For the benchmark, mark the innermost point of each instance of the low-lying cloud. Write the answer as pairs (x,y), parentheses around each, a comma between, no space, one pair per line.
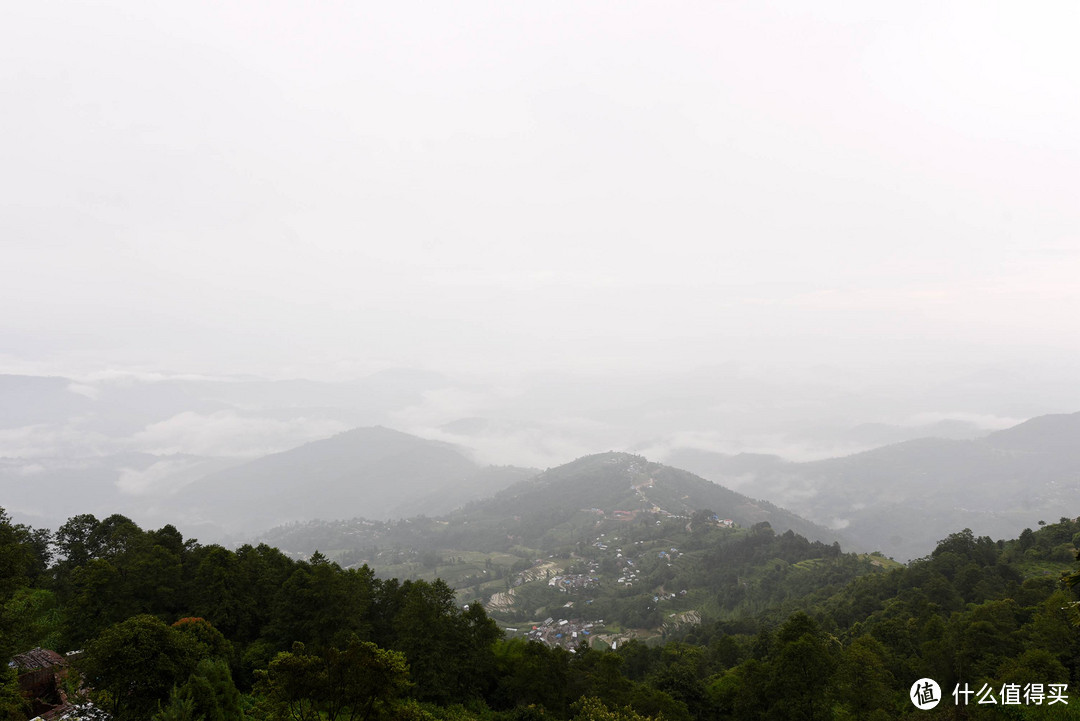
(790,449)
(50,441)
(137,482)
(529,446)
(230,434)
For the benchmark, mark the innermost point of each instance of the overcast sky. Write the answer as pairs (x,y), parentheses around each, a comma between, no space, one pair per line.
(327,188)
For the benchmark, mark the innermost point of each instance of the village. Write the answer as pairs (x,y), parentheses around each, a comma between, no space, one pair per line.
(613,559)
(565,633)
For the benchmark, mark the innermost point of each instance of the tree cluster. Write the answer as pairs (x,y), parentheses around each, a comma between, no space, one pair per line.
(171,630)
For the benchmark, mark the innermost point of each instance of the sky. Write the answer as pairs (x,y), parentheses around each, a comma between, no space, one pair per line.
(326,189)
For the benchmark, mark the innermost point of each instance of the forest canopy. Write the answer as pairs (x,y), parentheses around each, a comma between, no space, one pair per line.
(167,628)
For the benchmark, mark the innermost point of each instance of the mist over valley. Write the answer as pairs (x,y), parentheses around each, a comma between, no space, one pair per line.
(593,361)
(229,458)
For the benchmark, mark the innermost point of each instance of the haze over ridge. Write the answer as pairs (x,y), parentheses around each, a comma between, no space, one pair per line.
(533,232)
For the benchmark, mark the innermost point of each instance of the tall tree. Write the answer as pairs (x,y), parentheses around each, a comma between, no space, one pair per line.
(359,683)
(132,665)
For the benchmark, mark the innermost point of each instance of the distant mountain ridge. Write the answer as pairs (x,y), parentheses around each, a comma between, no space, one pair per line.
(904,497)
(140,446)
(1054,433)
(374,472)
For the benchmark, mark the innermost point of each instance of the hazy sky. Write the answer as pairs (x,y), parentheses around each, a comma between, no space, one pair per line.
(326,188)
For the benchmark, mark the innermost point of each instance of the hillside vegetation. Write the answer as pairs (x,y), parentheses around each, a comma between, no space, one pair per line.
(780,627)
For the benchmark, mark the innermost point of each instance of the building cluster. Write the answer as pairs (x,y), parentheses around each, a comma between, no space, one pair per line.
(628,575)
(567,633)
(669,596)
(574,582)
(669,555)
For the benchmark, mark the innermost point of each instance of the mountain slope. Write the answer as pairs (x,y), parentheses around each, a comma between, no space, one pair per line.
(373,472)
(903,498)
(1057,434)
(557,508)
(620,481)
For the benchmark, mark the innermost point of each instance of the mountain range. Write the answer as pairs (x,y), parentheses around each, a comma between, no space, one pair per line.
(556,508)
(903,497)
(375,472)
(226,457)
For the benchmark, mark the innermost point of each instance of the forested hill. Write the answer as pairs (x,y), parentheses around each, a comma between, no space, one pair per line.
(621,481)
(170,629)
(554,509)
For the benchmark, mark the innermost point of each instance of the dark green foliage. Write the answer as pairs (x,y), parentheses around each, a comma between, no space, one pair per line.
(213,692)
(32,617)
(207,640)
(531,674)
(179,708)
(802,666)
(861,681)
(209,694)
(12,704)
(133,665)
(449,650)
(323,604)
(593,709)
(798,630)
(22,560)
(122,571)
(358,683)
